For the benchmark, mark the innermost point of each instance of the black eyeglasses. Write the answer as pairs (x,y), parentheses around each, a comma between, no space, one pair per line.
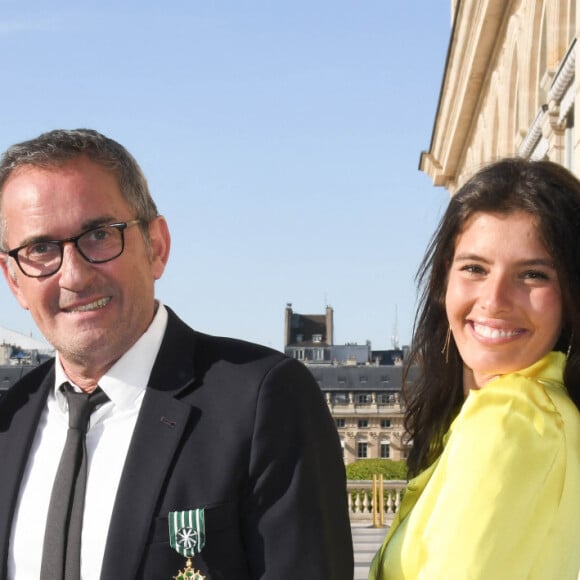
(96,245)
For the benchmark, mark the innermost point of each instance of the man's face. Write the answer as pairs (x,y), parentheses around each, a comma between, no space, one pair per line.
(91,313)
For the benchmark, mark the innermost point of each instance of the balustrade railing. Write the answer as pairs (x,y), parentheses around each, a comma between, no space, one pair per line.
(364,501)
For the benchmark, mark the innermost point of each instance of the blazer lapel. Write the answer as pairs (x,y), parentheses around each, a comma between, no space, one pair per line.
(22,407)
(161,423)
(159,429)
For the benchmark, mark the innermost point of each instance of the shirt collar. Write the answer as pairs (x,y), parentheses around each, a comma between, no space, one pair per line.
(127,379)
(549,368)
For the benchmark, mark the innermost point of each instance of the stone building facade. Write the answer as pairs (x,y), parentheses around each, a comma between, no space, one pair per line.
(509,88)
(365,402)
(362,387)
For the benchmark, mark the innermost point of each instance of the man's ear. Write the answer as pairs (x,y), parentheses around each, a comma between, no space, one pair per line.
(11,278)
(160,244)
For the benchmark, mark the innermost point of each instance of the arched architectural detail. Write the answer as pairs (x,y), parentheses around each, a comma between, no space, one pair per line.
(541,64)
(562,19)
(470,157)
(489,122)
(495,141)
(510,115)
(532,57)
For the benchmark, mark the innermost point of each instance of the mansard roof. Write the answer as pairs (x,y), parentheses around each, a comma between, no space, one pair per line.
(359,378)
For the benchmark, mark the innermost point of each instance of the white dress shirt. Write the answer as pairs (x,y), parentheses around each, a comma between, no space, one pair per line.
(110,430)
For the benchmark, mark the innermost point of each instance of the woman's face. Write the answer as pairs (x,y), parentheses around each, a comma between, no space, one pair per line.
(503,298)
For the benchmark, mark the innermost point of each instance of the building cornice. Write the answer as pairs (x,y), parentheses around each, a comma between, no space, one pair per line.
(562,92)
(534,135)
(476,28)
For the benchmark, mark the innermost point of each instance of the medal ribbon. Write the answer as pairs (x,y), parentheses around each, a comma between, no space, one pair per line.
(187,531)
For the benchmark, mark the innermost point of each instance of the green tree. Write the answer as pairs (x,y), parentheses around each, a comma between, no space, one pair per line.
(366,468)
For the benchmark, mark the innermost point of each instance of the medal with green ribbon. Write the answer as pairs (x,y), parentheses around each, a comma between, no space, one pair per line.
(187,537)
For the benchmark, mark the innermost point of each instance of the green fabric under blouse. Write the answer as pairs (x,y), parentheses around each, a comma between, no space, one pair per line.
(502,502)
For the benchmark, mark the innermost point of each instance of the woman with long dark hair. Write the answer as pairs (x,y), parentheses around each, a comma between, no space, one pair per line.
(493,416)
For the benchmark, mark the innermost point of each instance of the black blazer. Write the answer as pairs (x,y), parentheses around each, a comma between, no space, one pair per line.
(235,428)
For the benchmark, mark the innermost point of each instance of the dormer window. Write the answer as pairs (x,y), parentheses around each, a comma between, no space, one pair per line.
(317,338)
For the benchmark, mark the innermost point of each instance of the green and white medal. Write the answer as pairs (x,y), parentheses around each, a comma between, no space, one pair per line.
(187,537)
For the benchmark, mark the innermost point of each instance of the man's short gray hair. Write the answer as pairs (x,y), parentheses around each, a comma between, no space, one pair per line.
(60,146)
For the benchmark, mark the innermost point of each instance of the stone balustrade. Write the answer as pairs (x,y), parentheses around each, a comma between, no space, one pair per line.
(360,499)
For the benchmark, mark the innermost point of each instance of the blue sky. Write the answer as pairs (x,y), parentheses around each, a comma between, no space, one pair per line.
(281,141)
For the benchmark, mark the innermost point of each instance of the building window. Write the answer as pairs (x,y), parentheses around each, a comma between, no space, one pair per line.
(317,338)
(364,398)
(363,423)
(386,398)
(385,379)
(299,337)
(363,379)
(340,398)
(385,450)
(340,423)
(362,450)
(385,423)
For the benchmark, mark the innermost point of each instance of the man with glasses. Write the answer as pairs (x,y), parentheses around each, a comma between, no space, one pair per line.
(198,456)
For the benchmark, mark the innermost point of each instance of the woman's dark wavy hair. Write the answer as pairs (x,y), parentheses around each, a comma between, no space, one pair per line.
(551,194)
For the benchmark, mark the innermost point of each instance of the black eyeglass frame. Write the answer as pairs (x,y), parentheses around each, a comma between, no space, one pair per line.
(120,226)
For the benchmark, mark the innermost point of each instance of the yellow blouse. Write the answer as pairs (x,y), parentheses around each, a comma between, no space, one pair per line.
(502,502)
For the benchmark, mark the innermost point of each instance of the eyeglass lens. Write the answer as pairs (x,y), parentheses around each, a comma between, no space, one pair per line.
(97,245)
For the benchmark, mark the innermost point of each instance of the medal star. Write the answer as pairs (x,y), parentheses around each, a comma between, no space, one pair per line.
(187,538)
(189,573)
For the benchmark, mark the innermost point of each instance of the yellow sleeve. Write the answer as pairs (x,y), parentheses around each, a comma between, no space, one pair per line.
(489,502)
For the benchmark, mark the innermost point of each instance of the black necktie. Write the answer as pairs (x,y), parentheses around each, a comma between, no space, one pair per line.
(61,557)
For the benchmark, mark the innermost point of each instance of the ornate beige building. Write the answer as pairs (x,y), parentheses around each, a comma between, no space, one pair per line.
(510,87)
(365,402)
(362,387)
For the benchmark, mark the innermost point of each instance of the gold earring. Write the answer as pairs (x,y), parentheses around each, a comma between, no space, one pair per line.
(445,349)
(570,346)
